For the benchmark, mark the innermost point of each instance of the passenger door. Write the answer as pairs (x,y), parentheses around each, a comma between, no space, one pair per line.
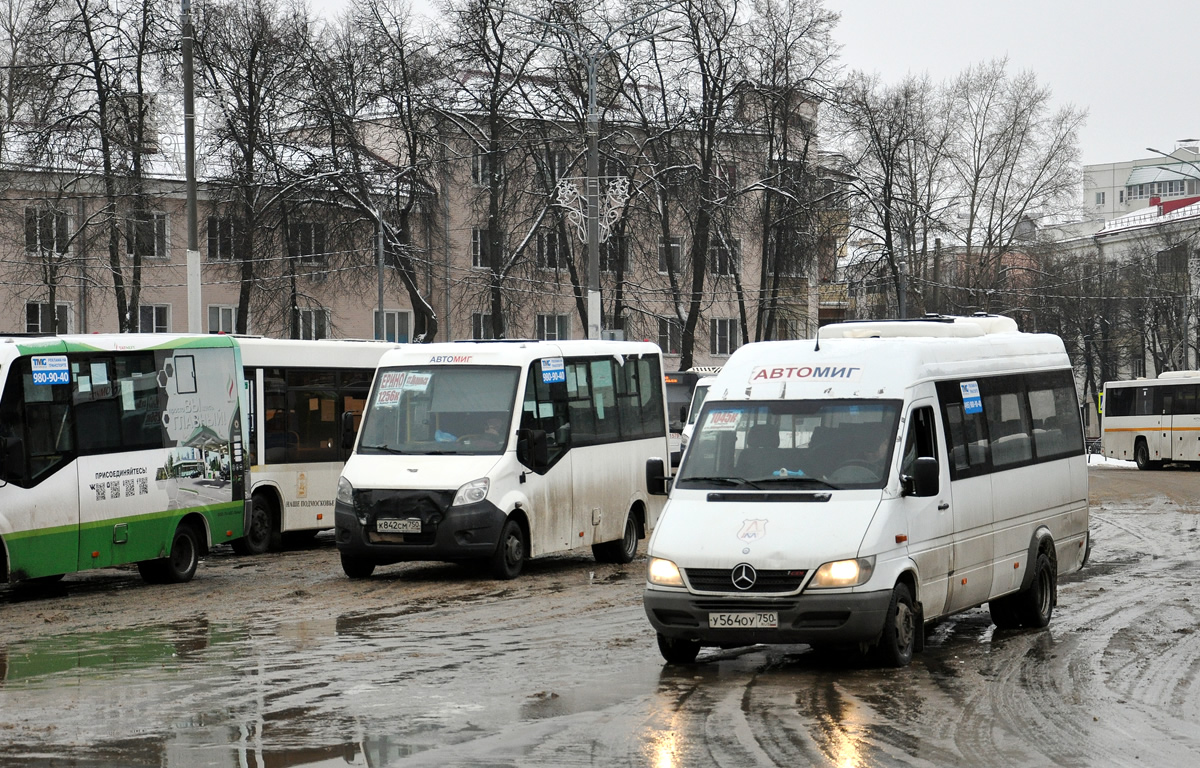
(930,520)
(1184,411)
(549,489)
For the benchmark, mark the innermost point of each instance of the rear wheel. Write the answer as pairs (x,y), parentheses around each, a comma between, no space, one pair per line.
(624,549)
(1141,455)
(899,629)
(677,650)
(258,533)
(355,568)
(1034,606)
(180,564)
(511,551)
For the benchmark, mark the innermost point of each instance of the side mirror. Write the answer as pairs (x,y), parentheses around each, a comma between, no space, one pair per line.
(532,450)
(656,477)
(349,431)
(924,479)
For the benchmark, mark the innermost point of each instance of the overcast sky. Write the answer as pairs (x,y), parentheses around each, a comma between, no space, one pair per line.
(1130,65)
(1126,63)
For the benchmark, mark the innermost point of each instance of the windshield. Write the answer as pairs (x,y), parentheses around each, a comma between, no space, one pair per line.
(435,410)
(829,444)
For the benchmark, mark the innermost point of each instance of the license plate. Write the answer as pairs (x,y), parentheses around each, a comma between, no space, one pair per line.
(767,620)
(407,525)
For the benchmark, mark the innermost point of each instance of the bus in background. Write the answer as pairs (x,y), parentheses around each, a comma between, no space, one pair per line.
(116,449)
(1153,421)
(681,385)
(698,396)
(300,392)
(498,451)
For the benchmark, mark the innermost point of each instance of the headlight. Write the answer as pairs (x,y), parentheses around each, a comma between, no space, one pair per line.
(345,492)
(844,573)
(664,573)
(472,492)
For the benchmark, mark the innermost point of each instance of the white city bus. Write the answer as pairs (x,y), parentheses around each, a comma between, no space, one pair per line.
(300,392)
(1153,421)
(497,451)
(847,492)
(115,449)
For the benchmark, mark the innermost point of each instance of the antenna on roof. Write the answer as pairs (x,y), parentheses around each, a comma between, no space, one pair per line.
(817,336)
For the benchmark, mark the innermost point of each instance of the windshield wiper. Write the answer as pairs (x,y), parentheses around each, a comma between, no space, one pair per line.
(736,481)
(810,481)
(387,448)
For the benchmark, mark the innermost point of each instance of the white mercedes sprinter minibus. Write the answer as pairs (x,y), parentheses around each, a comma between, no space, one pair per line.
(847,490)
(498,451)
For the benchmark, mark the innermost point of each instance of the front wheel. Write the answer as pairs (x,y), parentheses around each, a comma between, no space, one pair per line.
(511,551)
(258,533)
(676,650)
(179,565)
(899,637)
(355,568)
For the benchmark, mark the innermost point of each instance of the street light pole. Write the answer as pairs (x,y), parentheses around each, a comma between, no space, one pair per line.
(189,140)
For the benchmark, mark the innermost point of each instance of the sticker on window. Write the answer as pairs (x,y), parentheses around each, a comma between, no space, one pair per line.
(972,402)
(554,371)
(50,369)
(723,421)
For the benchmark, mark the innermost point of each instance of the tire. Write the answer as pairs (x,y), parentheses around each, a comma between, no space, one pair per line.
(1034,605)
(899,637)
(1004,615)
(511,551)
(357,569)
(1141,455)
(624,549)
(180,564)
(678,651)
(259,533)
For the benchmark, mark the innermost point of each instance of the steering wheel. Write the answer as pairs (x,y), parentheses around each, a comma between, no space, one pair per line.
(856,471)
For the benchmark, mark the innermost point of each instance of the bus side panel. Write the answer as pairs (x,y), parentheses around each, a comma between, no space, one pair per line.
(1025,499)
(971,563)
(602,476)
(1185,436)
(41,525)
(552,520)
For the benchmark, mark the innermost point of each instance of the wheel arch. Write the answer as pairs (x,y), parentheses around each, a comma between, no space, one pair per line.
(638,511)
(4,574)
(269,490)
(1041,541)
(198,523)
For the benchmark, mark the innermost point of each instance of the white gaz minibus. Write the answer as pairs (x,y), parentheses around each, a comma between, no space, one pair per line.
(847,490)
(497,451)
(300,392)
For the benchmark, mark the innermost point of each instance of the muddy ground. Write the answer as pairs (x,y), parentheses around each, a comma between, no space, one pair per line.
(282,661)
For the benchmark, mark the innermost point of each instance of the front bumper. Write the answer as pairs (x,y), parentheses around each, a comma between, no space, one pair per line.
(805,618)
(448,533)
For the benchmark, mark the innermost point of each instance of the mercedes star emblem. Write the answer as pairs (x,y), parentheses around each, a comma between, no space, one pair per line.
(743,576)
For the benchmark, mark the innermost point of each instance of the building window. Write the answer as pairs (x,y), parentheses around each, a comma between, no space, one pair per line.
(614,254)
(392,325)
(1099,198)
(220,319)
(220,238)
(46,230)
(670,336)
(722,260)
(481,169)
(1137,364)
(310,242)
(723,335)
(314,323)
(481,326)
(549,254)
(553,327)
(670,247)
(558,162)
(1120,195)
(1173,260)
(480,248)
(785,329)
(146,235)
(154,318)
(39,318)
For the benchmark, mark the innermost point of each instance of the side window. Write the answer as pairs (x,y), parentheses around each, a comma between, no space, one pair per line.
(116,400)
(355,387)
(1053,406)
(604,400)
(545,408)
(966,432)
(1007,417)
(579,402)
(280,440)
(1118,401)
(312,406)
(921,440)
(35,424)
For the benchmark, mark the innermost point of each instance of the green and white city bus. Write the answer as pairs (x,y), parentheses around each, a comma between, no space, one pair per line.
(115,449)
